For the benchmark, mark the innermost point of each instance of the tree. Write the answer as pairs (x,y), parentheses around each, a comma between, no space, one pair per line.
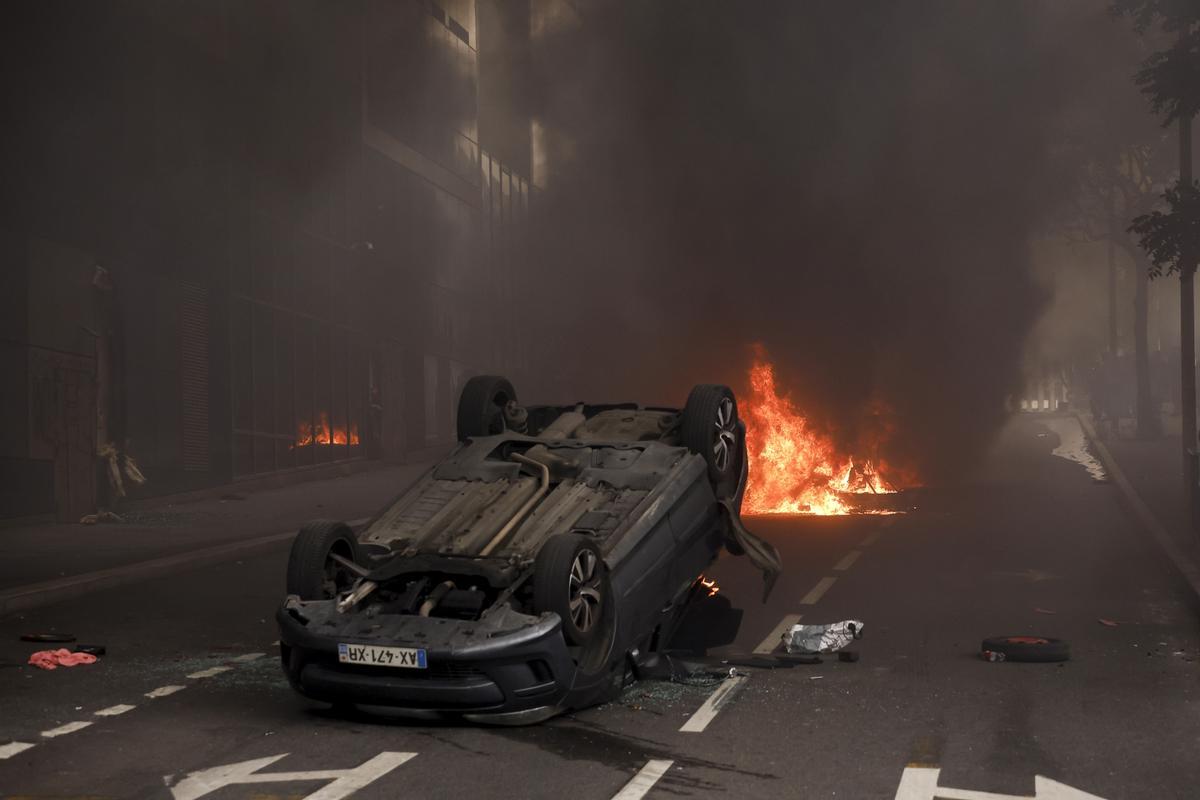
(1119,180)
(1137,188)
(1170,79)
(1169,237)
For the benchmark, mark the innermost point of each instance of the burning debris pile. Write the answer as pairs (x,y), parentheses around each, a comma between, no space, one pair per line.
(794,467)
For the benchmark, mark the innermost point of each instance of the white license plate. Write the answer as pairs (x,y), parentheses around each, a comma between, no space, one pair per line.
(367,655)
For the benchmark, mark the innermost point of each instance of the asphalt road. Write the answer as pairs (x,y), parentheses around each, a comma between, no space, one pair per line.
(1029,545)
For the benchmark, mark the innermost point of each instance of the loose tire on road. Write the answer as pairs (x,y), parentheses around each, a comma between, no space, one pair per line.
(311,573)
(1025,648)
(481,406)
(571,579)
(710,427)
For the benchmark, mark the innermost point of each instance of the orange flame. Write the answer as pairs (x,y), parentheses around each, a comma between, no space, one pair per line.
(321,433)
(794,468)
(711,585)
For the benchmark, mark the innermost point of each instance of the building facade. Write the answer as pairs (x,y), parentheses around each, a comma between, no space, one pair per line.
(250,239)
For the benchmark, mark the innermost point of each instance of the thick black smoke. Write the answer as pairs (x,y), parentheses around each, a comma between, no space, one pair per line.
(854,185)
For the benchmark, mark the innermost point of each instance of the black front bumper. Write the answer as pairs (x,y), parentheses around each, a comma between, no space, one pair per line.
(510,664)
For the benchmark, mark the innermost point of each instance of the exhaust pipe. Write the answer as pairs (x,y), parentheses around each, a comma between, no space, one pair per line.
(524,509)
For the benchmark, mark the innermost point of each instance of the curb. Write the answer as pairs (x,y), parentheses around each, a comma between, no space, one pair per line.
(1182,562)
(34,595)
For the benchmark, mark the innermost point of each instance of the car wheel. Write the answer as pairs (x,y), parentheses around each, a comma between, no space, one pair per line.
(312,573)
(710,427)
(571,579)
(481,406)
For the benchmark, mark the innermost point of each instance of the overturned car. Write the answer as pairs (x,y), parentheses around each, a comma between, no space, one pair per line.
(529,572)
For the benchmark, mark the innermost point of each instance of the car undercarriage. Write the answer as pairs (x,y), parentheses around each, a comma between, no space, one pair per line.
(528,571)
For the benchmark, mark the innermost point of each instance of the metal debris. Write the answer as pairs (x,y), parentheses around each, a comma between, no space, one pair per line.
(822,638)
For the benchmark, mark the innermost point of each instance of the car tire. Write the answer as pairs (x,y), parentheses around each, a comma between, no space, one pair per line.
(311,573)
(481,406)
(1025,648)
(570,578)
(710,427)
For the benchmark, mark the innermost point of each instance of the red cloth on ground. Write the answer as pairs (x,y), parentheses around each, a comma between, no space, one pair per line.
(62,657)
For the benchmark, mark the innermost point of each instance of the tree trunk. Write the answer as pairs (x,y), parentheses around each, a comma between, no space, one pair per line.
(1147,408)
(1187,334)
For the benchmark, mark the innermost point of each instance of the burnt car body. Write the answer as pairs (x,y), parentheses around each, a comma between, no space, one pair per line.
(531,570)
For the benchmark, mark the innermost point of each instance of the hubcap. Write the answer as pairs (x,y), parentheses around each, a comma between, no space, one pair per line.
(726,438)
(584,591)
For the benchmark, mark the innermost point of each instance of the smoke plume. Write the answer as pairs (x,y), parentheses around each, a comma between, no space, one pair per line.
(855,186)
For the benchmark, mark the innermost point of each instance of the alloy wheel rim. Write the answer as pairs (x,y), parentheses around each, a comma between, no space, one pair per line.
(726,438)
(584,590)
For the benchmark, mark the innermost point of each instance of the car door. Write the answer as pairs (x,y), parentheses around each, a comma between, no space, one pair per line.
(697,530)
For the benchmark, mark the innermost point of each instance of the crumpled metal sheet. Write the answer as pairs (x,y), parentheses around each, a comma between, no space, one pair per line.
(761,553)
(822,638)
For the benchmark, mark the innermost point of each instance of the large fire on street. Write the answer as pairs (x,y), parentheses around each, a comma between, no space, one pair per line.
(794,467)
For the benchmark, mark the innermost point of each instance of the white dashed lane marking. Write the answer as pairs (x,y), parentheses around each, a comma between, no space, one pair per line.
(847,562)
(817,592)
(644,781)
(13,748)
(872,539)
(776,635)
(63,730)
(113,711)
(715,702)
(210,672)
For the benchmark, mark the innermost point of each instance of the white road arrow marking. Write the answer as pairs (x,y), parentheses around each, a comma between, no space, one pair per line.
(921,783)
(345,782)
(1046,789)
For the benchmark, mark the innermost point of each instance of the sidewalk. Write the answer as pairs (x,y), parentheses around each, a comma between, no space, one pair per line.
(1148,474)
(43,552)
(1155,469)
